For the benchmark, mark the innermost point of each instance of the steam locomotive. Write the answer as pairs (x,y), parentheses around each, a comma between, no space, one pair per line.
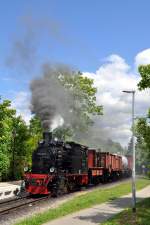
(61,167)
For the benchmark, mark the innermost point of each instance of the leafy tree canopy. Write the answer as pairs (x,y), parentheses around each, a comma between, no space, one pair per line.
(14,134)
(142,125)
(144,71)
(6,114)
(84,106)
(35,135)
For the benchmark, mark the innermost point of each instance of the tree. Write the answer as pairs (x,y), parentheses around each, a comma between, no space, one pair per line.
(144,71)
(35,135)
(6,115)
(35,126)
(83,106)
(14,134)
(143,143)
(19,151)
(130,147)
(63,133)
(143,127)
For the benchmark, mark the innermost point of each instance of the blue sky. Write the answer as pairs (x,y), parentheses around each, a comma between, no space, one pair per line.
(81,33)
(101,27)
(91,30)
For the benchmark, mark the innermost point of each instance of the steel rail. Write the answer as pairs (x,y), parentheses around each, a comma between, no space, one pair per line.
(7,209)
(11,200)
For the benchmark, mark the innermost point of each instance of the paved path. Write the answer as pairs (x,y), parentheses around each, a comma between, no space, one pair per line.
(99,213)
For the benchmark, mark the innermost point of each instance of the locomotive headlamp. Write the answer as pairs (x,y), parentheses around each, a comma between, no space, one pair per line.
(52,169)
(26,168)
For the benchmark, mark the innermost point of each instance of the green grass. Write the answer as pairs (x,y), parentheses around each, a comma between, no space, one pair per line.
(141,217)
(84,201)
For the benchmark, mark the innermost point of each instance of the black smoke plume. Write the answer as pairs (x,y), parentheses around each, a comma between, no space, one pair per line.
(49,97)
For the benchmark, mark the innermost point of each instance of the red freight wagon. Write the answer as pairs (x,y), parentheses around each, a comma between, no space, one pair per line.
(130,161)
(116,162)
(95,171)
(105,160)
(91,158)
(111,161)
(98,159)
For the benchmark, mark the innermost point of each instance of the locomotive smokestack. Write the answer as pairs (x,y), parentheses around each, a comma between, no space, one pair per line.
(47,137)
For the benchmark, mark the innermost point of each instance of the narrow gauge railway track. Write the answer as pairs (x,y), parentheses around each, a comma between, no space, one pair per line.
(10,205)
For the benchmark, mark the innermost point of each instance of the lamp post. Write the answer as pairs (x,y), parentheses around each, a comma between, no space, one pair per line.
(133,153)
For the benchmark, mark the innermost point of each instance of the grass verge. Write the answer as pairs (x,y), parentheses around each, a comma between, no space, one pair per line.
(141,217)
(84,201)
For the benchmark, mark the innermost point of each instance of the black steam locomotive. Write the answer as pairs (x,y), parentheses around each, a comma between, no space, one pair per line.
(59,167)
(53,164)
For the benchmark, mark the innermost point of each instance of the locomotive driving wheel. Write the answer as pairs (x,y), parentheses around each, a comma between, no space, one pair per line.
(61,187)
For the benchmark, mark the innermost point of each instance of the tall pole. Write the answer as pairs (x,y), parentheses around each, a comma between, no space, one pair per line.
(133,148)
(133,153)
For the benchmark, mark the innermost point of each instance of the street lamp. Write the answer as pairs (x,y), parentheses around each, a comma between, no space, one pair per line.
(133,152)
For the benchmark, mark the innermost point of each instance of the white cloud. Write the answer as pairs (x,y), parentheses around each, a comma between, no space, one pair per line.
(143,57)
(114,76)
(21,102)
